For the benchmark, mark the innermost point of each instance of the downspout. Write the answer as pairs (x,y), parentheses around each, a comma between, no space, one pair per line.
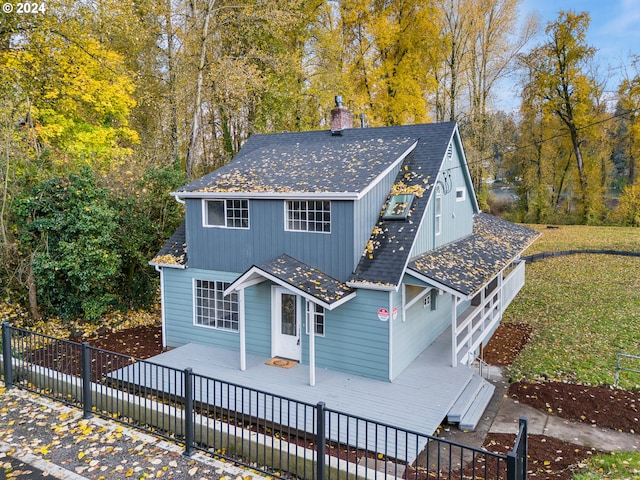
(162,312)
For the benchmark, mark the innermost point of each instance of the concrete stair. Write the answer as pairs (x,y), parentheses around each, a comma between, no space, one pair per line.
(471,404)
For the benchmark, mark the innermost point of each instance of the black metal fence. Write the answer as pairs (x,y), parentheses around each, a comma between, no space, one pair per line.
(266,432)
(544,255)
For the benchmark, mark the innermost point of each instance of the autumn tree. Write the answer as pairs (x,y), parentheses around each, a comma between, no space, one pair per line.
(568,93)
(493,48)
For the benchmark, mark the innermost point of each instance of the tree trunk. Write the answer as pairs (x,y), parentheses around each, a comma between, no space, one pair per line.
(34,312)
(195,124)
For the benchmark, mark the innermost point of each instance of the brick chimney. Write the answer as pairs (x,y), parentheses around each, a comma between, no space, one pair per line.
(341,118)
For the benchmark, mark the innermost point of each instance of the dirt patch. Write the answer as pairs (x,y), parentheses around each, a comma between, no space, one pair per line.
(506,343)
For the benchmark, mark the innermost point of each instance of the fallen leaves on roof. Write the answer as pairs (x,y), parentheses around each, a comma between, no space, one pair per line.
(468,264)
(306,278)
(320,165)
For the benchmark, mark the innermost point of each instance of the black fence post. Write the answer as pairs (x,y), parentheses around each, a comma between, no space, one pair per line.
(87,402)
(188,413)
(320,435)
(6,355)
(524,451)
(517,458)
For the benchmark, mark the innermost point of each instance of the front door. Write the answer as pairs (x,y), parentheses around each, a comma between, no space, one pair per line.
(286,325)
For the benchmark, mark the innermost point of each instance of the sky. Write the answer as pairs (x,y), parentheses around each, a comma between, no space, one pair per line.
(614,31)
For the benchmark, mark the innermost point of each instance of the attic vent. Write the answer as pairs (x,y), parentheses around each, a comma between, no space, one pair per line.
(399,206)
(450,152)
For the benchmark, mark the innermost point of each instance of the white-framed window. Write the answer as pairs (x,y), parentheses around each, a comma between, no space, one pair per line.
(230,213)
(460,194)
(212,308)
(307,216)
(438,210)
(315,315)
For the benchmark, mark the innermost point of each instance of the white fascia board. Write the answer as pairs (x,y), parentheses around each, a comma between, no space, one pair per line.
(439,285)
(269,195)
(465,170)
(379,178)
(373,286)
(168,265)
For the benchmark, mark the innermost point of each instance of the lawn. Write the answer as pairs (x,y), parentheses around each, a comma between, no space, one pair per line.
(585,309)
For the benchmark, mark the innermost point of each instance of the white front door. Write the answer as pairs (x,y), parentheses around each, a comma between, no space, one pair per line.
(285,340)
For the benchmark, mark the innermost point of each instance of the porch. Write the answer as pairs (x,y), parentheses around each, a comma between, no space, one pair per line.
(419,399)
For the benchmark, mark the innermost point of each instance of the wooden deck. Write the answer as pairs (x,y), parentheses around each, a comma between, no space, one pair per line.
(417,400)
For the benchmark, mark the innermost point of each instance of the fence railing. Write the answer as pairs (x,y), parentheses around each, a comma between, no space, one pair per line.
(621,368)
(266,432)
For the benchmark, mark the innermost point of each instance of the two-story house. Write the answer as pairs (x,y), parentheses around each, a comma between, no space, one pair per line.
(350,249)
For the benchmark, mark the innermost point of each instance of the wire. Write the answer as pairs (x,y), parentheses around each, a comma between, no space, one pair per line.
(557,135)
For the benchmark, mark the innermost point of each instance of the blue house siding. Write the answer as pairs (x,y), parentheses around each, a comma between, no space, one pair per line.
(420,328)
(236,250)
(366,213)
(457,216)
(179,313)
(355,340)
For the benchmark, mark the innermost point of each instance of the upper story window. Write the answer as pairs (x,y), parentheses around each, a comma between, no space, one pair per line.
(232,213)
(460,194)
(308,216)
(212,308)
(438,209)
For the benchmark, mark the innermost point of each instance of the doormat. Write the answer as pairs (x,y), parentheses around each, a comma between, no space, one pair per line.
(281,362)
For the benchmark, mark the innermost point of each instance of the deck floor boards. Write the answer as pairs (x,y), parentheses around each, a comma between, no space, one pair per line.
(417,400)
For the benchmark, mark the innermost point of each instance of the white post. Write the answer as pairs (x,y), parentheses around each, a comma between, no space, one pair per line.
(454,331)
(390,336)
(312,348)
(243,342)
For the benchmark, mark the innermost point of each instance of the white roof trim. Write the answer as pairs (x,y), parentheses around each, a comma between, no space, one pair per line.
(250,277)
(438,285)
(170,265)
(386,171)
(269,195)
(373,286)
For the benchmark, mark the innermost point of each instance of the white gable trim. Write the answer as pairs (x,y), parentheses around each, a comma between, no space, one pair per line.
(386,172)
(256,275)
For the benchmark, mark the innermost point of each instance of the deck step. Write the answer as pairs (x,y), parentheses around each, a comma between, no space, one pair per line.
(471,404)
(471,419)
(465,399)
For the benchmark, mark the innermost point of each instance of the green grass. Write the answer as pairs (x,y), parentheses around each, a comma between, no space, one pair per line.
(585,309)
(580,237)
(617,465)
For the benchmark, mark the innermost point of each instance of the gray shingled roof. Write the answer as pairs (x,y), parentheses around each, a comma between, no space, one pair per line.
(386,254)
(174,251)
(306,279)
(309,162)
(467,265)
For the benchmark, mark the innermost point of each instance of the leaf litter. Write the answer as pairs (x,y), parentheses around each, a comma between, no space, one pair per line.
(95,448)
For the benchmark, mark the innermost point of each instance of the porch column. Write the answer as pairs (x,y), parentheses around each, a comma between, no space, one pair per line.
(500,294)
(312,352)
(241,329)
(454,331)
